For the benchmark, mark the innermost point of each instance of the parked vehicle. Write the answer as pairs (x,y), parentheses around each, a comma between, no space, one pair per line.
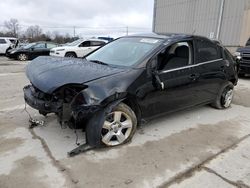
(109,39)
(131,79)
(7,43)
(31,51)
(243,57)
(78,48)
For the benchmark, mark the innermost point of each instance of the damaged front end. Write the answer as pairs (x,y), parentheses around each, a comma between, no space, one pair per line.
(68,103)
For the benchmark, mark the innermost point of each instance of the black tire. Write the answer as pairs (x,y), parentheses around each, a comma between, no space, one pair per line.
(22,57)
(220,101)
(43,113)
(70,54)
(96,135)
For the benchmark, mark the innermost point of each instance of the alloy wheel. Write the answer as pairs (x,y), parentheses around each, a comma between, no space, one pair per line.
(228,98)
(22,57)
(117,128)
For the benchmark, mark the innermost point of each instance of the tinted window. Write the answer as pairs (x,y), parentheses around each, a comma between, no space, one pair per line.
(97,43)
(2,41)
(85,44)
(50,45)
(228,55)
(175,56)
(207,51)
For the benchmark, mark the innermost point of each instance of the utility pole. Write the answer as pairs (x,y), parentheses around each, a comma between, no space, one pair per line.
(74,28)
(220,19)
(127,30)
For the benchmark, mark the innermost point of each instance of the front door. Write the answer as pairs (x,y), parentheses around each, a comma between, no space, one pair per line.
(176,82)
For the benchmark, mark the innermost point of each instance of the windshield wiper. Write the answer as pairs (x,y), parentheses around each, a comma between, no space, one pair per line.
(98,62)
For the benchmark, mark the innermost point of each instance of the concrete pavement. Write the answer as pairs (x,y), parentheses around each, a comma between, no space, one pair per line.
(199,147)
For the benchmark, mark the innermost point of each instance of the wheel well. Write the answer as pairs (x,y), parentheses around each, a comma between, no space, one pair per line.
(70,53)
(134,106)
(234,81)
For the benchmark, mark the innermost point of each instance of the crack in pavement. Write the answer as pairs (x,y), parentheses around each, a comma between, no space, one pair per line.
(56,163)
(238,184)
(189,172)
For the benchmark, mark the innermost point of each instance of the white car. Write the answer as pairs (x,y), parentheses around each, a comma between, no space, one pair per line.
(78,48)
(7,43)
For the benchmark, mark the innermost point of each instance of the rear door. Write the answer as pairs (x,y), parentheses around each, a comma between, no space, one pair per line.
(39,50)
(211,67)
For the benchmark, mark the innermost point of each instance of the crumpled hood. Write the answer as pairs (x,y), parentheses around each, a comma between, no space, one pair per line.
(49,73)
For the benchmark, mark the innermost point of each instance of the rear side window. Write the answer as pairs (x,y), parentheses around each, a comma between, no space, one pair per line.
(2,41)
(51,45)
(97,43)
(207,51)
(228,55)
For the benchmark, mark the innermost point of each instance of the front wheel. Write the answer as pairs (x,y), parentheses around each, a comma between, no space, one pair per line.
(117,128)
(71,55)
(225,96)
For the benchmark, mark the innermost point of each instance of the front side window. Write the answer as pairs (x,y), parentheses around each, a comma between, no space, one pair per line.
(2,41)
(175,56)
(125,51)
(207,51)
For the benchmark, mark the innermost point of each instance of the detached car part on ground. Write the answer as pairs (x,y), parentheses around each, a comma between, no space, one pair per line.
(134,78)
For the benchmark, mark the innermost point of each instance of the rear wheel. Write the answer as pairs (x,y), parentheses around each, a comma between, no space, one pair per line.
(22,57)
(70,54)
(225,96)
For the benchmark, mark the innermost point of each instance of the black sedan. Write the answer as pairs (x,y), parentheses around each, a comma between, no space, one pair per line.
(31,51)
(134,78)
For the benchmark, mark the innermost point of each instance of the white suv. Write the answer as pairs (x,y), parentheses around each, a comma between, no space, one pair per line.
(7,43)
(78,48)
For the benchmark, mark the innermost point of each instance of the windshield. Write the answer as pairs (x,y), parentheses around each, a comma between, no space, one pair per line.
(75,43)
(29,45)
(124,51)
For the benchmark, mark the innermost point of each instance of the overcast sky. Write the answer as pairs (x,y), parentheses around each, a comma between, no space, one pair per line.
(99,17)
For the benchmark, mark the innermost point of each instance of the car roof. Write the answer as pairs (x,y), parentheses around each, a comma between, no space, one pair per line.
(93,39)
(167,36)
(8,38)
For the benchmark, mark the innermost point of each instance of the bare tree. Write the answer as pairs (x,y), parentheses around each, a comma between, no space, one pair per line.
(33,32)
(13,26)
